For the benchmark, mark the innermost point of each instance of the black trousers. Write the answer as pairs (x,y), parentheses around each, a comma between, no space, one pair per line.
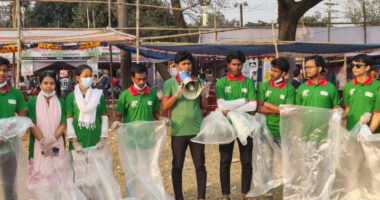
(8,167)
(179,146)
(226,151)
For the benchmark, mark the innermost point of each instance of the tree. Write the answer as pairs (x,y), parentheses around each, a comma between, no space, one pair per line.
(258,23)
(354,11)
(315,20)
(50,14)
(289,13)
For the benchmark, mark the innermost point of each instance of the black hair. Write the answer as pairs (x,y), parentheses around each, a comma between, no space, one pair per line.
(183,55)
(4,61)
(319,61)
(22,79)
(280,63)
(235,55)
(81,68)
(139,69)
(45,74)
(363,58)
(296,72)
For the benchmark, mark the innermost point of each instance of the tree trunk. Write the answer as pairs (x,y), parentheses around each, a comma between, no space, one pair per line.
(162,68)
(289,13)
(179,19)
(125,56)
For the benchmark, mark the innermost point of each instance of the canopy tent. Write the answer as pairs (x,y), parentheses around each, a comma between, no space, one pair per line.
(296,49)
(66,36)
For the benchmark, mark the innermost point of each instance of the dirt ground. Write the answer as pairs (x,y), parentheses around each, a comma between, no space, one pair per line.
(189,180)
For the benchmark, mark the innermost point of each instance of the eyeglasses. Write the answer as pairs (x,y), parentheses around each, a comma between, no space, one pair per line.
(358,65)
(309,67)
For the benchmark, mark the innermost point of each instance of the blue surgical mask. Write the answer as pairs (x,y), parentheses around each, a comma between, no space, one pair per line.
(137,87)
(48,95)
(86,82)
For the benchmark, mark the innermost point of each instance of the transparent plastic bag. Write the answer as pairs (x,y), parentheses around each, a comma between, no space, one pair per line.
(54,181)
(243,123)
(93,174)
(140,146)
(215,129)
(311,139)
(13,159)
(266,161)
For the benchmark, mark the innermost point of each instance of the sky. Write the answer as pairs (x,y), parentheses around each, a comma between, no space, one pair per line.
(265,10)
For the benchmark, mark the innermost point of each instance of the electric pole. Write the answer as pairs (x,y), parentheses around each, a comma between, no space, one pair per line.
(365,23)
(329,4)
(241,11)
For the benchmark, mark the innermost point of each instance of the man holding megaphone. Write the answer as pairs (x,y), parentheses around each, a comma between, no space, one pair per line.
(185,96)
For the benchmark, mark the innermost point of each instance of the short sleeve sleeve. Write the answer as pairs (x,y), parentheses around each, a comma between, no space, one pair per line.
(156,102)
(70,105)
(31,113)
(291,95)
(167,90)
(21,105)
(261,95)
(63,111)
(120,108)
(219,89)
(346,96)
(103,106)
(377,101)
(251,90)
(299,95)
(335,97)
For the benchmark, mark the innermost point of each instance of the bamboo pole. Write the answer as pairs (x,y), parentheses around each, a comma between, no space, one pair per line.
(274,40)
(100,2)
(109,13)
(137,31)
(111,77)
(18,69)
(215,33)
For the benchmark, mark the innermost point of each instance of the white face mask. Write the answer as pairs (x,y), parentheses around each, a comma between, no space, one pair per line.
(3,84)
(137,87)
(86,82)
(278,80)
(48,95)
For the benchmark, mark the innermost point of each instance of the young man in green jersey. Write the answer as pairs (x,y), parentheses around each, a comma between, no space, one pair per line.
(361,96)
(230,89)
(274,92)
(186,118)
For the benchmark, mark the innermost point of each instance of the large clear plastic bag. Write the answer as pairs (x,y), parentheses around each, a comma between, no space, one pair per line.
(243,123)
(215,129)
(311,142)
(140,146)
(266,161)
(55,181)
(93,174)
(13,159)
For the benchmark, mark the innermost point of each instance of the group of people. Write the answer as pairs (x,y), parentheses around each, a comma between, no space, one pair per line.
(83,114)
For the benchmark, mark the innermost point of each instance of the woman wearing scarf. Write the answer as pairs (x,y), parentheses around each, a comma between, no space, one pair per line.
(87,131)
(46,144)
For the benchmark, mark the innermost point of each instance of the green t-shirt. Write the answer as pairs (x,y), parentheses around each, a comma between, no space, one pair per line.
(322,95)
(137,107)
(31,113)
(229,88)
(87,137)
(11,102)
(186,115)
(361,98)
(276,95)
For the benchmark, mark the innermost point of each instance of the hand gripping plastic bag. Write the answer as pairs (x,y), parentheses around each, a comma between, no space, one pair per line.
(215,129)
(243,123)
(13,159)
(93,174)
(266,161)
(310,151)
(140,146)
(54,180)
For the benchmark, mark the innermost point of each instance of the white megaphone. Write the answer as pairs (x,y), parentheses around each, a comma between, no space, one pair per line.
(191,88)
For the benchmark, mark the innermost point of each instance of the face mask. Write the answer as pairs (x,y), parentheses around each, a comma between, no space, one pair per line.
(137,87)
(48,95)
(278,80)
(3,84)
(86,82)
(189,73)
